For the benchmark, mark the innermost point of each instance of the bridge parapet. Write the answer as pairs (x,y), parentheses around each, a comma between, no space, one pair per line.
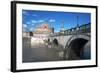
(86,28)
(83,29)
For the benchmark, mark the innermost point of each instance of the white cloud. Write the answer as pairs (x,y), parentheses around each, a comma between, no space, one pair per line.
(28,22)
(24,25)
(52,20)
(40,21)
(25,13)
(33,21)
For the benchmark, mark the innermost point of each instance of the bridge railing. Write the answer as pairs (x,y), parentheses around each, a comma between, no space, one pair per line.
(86,28)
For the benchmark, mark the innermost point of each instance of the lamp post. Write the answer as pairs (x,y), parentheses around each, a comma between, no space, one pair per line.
(62,27)
(77,28)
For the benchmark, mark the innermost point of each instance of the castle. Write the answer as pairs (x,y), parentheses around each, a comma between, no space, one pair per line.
(41,31)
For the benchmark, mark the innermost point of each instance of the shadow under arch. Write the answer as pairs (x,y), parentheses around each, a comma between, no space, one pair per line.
(55,42)
(75,47)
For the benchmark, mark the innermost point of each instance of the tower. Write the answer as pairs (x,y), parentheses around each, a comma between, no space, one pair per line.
(62,27)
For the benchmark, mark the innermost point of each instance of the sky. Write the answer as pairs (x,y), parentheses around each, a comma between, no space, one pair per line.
(31,19)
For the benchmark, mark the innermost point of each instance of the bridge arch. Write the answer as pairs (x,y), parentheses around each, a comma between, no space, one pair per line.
(55,41)
(86,37)
(75,46)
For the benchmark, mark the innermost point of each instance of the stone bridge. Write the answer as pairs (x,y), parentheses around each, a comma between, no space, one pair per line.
(67,39)
(75,45)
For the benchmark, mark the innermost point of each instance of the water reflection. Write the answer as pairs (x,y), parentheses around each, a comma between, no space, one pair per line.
(42,49)
(37,49)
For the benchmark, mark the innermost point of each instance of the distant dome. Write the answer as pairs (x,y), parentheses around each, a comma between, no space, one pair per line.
(43,29)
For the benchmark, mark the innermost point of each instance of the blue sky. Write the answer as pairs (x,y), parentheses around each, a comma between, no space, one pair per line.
(32,19)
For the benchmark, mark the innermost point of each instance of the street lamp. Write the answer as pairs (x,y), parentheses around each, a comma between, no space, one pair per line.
(77,28)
